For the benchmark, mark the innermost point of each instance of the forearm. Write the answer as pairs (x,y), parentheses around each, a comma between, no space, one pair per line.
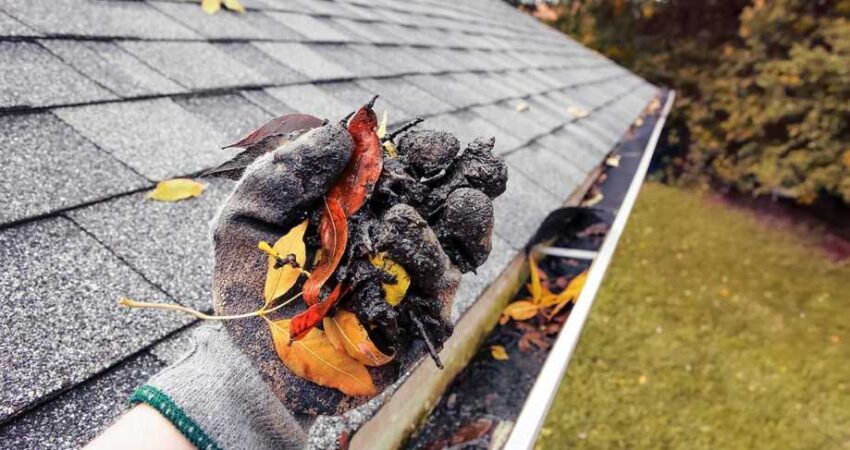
(141,428)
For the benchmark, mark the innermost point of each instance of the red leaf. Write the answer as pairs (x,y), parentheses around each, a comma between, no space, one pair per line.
(304,321)
(284,124)
(333,233)
(363,170)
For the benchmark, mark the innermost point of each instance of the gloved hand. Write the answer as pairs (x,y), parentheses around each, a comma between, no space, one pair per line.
(232,390)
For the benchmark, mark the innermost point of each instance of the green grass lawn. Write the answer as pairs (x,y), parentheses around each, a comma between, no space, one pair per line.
(711,331)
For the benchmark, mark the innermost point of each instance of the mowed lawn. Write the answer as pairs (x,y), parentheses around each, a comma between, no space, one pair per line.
(711,331)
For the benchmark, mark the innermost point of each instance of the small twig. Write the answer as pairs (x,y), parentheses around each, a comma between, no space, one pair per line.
(129,303)
(404,128)
(431,350)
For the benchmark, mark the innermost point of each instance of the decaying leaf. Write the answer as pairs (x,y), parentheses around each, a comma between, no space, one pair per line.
(519,310)
(346,333)
(394,292)
(210,6)
(176,189)
(578,112)
(282,276)
(314,358)
(498,352)
(310,317)
(333,233)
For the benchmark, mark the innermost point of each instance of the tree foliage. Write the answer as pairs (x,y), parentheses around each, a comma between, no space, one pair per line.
(763,85)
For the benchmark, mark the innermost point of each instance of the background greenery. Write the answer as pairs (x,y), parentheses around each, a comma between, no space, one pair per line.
(763,106)
(711,331)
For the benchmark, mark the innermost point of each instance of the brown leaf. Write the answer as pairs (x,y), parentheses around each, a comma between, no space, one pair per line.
(314,358)
(282,125)
(347,333)
(471,431)
(532,336)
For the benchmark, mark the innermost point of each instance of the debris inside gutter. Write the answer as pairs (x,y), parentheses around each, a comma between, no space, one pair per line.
(472,414)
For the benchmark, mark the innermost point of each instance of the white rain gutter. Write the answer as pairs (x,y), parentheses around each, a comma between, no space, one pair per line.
(524,433)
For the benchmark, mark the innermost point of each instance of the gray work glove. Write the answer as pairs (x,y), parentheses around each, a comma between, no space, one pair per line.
(232,391)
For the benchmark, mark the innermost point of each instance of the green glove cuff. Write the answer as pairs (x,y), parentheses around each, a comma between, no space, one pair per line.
(156,399)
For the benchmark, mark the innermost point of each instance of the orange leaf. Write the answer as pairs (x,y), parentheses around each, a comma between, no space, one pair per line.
(363,170)
(519,310)
(333,233)
(498,353)
(570,293)
(309,318)
(314,358)
(347,333)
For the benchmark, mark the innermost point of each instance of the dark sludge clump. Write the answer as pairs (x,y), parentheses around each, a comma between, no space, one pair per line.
(431,211)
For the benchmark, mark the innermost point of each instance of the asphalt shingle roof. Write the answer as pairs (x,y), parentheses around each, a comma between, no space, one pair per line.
(100,99)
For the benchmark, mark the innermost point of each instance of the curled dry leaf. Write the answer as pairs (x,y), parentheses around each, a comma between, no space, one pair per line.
(314,358)
(394,292)
(310,317)
(333,234)
(280,276)
(498,352)
(176,189)
(519,310)
(363,170)
(346,333)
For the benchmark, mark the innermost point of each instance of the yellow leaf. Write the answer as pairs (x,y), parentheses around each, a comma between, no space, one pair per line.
(176,190)
(346,333)
(519,310)
(536,287)
(498,352)
(314,358)
(234,5)
(570,292)
(382,127)
(394,292)
(613,161)
(578,112)
(210,6)
(389,147)
(281,278)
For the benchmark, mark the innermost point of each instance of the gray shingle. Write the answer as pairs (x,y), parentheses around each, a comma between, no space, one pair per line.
(303,59)
(59,288)
(312,29)
(231,114)
(76,417)
(157,138)
(31,76)
(269,68)
(351,56)
(467,125)
(485,86)
(415,100)
(95,18)
(547,169)
(309,99)
(354,95)
(12,27)
(112,67)
(168,243)
(473,284)
(521,209)
(225,25)
(448,90)
(196,65)
(262,99)
(505,116)
(397,59)
(45,165)
(360,32)
(570,144)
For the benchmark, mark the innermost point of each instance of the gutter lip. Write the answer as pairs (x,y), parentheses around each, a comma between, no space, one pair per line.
(524,434)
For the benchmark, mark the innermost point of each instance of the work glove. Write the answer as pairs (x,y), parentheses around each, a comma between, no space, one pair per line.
(430,212)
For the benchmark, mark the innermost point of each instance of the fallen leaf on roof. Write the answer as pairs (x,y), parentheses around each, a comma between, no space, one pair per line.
(234,5)
(346,333)
(286,258)
(210,6)
(613,161)
(578,112)
(498,352)
(394,292)
(176,189)
(521,107)
(314,358)
(638,122)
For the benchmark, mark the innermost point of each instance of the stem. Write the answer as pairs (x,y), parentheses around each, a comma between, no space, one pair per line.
(431,350)
(404,128)
(129,303)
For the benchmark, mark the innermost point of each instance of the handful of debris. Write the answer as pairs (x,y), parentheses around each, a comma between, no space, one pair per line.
(372,229)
